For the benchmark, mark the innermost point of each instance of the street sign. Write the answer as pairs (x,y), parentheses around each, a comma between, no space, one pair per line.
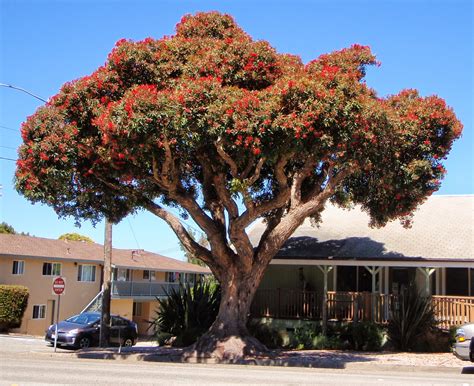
(58,286)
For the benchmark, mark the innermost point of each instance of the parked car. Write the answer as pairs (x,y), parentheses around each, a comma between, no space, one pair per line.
(464,346)
(83,330)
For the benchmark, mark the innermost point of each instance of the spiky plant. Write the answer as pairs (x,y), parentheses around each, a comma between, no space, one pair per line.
(412,315)
(189,311)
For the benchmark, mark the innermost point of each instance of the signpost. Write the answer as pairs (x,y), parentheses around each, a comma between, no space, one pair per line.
(59,285)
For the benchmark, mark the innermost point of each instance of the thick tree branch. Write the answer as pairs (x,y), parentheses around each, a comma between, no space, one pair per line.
(248,168)
(184,237)
(255,211)
(227,158)
(216,180)
(256,174)
(298,179)
(274,240)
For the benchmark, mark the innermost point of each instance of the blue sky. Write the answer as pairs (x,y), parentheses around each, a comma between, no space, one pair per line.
(425,45)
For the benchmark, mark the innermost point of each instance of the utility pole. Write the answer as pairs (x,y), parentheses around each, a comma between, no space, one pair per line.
(105,310)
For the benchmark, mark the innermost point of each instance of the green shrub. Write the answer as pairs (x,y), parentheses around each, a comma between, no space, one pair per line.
(311,337)
(412,316)
(365,336)
(13,302)
(188,312)
(270,337)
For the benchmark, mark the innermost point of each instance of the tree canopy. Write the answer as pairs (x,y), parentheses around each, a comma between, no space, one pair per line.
(228,130)
(75,237)
(7,228)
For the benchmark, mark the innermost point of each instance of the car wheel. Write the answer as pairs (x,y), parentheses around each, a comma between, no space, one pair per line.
(128,342)
(84,342)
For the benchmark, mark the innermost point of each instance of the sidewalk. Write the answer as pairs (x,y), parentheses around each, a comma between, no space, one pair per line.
(353,360)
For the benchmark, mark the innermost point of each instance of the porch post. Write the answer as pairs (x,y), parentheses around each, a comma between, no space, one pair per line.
(469,281)
(427,272)
(374,271)
(325,269)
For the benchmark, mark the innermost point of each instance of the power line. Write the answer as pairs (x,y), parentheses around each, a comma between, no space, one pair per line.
(8,147)
(133,233)
(8,159)
(23,90)
(8,128)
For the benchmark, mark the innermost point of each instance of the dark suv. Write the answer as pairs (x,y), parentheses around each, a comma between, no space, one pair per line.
(80,331)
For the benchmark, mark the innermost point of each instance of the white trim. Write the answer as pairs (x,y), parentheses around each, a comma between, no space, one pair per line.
(386,280)
(378,263)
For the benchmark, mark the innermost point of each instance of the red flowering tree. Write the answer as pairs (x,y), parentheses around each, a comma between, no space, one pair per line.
(229,131)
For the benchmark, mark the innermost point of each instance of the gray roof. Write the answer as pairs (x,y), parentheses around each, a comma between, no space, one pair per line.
(443,229)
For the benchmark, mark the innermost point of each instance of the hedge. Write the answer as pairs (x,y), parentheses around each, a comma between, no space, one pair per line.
(13,302)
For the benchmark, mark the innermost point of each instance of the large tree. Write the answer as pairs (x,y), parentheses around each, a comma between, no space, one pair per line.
(229,131)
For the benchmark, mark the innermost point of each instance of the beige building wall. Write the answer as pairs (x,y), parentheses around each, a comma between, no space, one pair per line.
(137,275)
(77,293)
(122,307)
(148,312)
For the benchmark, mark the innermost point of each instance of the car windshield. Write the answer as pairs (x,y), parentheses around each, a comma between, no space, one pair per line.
(83,319)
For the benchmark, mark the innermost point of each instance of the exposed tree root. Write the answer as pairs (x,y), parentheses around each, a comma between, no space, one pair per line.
(229,349)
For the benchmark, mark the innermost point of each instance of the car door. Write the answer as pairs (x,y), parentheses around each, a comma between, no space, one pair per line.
(117,329)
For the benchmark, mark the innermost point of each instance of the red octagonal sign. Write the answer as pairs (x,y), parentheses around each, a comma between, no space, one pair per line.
(58,285)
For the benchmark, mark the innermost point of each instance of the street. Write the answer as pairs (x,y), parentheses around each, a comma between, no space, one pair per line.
(30,361)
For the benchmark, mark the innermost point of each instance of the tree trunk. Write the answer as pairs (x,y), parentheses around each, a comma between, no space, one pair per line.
(228,338)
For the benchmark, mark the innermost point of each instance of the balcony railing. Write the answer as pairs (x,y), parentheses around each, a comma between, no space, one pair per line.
(137,289)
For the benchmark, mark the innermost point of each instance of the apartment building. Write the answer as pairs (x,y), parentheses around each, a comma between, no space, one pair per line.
(139,278)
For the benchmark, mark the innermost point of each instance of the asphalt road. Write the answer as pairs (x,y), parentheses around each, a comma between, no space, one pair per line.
(30,361)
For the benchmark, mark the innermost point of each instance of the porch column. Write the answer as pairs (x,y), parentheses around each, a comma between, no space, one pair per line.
(469,281)
(427,272)
(374,271)
(325,269)
(386,281)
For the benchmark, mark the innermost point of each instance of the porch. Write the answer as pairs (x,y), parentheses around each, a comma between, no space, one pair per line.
(284,303)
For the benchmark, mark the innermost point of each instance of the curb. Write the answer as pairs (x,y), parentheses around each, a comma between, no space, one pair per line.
(317,364)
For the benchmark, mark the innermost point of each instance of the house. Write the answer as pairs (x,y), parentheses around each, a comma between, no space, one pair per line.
(139,277)
(357,270)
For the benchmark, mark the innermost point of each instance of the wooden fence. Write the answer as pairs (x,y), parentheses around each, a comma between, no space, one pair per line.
(352,306)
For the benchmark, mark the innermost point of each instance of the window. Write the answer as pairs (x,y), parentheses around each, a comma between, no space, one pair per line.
(51,269)
(175,277)
(118,321)
(148,275)
(39,311)
(122,274)
(137,309)
(18,267)
(86,272)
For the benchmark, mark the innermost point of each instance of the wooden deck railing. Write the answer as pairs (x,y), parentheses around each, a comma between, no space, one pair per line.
(454,310)
(352,306)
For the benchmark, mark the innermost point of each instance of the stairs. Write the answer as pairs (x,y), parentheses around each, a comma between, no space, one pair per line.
(95,304)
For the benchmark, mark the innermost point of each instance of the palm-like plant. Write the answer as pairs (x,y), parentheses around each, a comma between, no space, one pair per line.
(412,316)
(190,308)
